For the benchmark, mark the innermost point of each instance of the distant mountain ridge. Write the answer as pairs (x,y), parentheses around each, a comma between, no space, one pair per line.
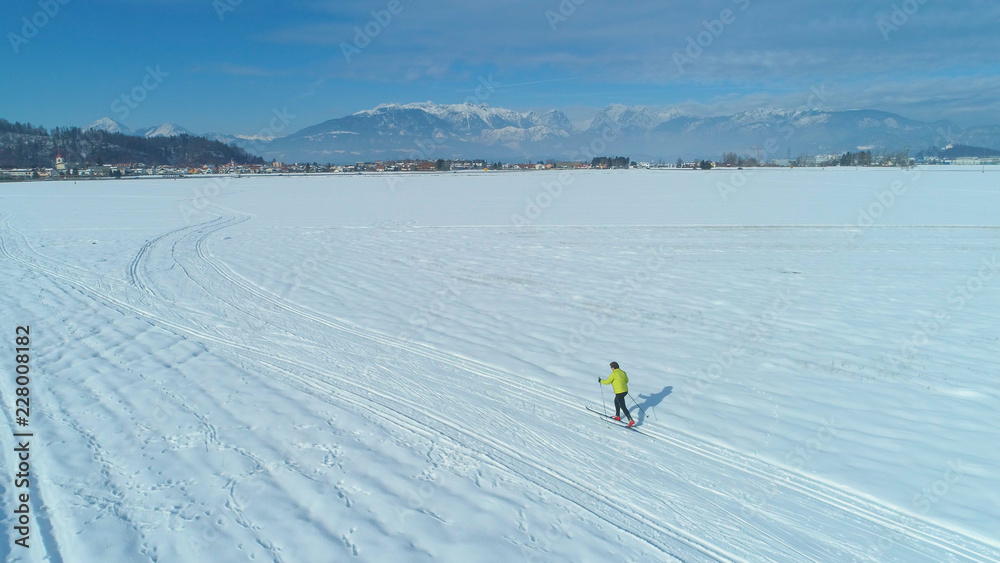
(426,130)
(964,151)
(109,125)
(420,131)
(24,145)
(620,120)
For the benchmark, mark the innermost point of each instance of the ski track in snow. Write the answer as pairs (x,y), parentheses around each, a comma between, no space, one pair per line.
(799,483)
(196,237)
(704,514)
(130,305)
(467,366)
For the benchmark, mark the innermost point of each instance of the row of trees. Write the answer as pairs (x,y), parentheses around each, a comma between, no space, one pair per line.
(26,146)
(732,159)
(865,158)
(860,158)
(611,162)
(20,128)
(443,165)
(698,165)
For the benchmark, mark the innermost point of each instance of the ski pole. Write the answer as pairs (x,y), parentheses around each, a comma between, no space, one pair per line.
(637,405)
(603,403)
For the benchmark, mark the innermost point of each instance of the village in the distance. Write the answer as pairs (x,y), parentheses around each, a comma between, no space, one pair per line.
(63,169)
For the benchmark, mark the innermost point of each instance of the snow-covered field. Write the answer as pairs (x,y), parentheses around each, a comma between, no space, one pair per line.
(396,368)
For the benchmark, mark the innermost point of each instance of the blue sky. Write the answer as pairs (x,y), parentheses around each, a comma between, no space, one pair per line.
(227,65)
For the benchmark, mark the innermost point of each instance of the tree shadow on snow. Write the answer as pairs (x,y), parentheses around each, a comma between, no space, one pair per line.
(649,401)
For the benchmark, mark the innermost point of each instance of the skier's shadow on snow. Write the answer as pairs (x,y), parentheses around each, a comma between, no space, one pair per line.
(650,401)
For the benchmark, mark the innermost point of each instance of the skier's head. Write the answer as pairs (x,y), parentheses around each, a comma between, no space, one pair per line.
(614,365)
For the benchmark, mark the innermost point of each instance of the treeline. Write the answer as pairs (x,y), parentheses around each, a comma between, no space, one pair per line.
(611,162)
(26,146)
(20,128)
(860,158)
(732,159)
(899,159)
(959,151)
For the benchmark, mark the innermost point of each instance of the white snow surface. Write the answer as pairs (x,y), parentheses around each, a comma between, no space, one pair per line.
(397,367)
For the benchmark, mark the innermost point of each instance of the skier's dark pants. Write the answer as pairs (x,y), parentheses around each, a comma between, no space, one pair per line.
(620,405)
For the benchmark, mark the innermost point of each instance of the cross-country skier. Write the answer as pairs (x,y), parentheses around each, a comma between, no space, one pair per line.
(618,380)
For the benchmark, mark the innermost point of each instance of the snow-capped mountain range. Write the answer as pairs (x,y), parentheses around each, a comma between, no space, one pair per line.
(429,131)
(170,129)
(163,130)
(619,120)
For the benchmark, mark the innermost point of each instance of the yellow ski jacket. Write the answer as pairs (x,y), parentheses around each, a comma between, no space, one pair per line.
(618,380)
